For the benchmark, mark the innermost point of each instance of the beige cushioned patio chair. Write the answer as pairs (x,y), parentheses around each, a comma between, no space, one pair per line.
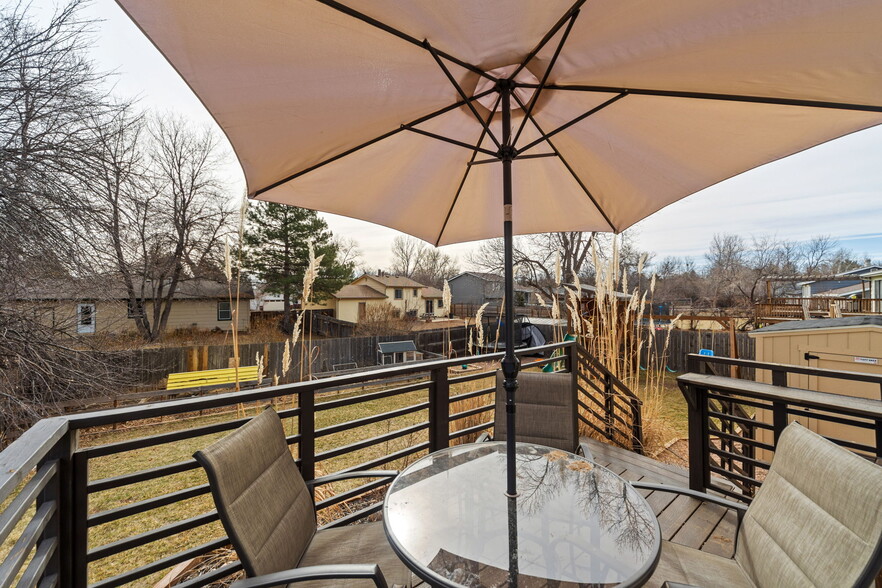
(816,521)
(547,412)
(268,512)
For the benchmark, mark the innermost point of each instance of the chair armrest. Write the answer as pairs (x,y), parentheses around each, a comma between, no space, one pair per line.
(737,507)
(330,572)
(678,585)
(485,436)
(350,475)
(585,451)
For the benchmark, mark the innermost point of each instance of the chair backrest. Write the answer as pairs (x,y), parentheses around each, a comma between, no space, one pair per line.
(546,410)
(816,520)
(263,502)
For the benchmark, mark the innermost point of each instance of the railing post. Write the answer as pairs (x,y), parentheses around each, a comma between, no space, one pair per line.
(306,429)
(779,419)
(609,406)
(80,529)
(439,410)
(699,451)
(60,490)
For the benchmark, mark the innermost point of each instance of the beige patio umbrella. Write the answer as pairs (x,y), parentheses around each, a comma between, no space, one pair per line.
(458,120)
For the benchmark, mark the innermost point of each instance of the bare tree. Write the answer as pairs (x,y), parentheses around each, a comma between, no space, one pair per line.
(415,259)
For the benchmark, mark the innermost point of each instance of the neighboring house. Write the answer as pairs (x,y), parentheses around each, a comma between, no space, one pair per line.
(86,308)
(850,284)
(481,287)
(874,289)
(407,296)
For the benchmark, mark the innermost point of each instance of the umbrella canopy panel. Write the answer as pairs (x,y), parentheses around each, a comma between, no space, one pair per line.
(342,106)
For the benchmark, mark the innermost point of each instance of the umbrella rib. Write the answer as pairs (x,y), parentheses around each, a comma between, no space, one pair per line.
(711,96)
(466,174)
(461,92)
(368,143)
(572,171)
(449,140)
(535,97)
(576,120)
(516,158)
(548,36)
(401,35)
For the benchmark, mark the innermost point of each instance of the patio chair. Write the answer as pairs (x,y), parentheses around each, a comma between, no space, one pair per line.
(546,412)
(816,521)
(268,512)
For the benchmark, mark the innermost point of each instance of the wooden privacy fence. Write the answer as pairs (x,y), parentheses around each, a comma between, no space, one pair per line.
(326,355)
(682,343)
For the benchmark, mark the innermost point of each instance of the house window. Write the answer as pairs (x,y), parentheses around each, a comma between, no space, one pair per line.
(399,293)
(415,293)
(430,309)
(440,303)
(134,308)
(224,312)
(85,318)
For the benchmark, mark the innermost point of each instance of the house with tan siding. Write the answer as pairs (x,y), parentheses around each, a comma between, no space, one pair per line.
(408,297)
(95,307)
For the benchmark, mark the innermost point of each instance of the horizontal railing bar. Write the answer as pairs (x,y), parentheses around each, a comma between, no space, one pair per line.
(591,397)
(740,420)
(735,476)
(728,492)
(369,442)
(139,412)
(739,457)
(471,377)
(150,536)
(21,503)
(16,556)
(23,454)
(473,394)
(370,419)
(861,407)
(737,400)
(160,439)
(423,385)
(45,550)
(386,458)
(813,414)
(541,362)
(354,516)
(212,576)
(141,476)
(472,429)
(748,441)
(352,493)
(467,413)
(851,444)
(161,564)
(790,369)
(145,505)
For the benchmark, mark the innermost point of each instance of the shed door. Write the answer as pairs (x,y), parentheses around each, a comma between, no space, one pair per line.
(85,319)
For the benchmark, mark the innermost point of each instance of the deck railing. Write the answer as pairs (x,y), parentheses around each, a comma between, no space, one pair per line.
(734,424)
(797,308)
(112,497)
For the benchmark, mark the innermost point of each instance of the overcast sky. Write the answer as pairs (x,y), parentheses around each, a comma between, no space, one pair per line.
(833,189)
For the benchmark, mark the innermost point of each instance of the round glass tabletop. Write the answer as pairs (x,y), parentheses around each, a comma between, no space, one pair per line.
(573,523)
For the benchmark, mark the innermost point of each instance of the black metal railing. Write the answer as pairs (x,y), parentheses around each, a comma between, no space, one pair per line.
(87,499)
(734,424)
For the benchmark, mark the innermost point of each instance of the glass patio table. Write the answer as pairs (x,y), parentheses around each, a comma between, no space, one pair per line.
(574,523)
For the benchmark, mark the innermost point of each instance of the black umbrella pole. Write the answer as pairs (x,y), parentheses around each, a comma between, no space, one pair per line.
(510,364)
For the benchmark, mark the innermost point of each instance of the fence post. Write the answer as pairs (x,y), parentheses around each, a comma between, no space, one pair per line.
(439,410)
(306,429)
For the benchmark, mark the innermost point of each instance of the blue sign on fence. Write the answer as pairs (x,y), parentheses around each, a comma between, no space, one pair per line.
(705,352)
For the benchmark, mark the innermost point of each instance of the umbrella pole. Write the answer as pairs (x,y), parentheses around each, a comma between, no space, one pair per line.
(510,364)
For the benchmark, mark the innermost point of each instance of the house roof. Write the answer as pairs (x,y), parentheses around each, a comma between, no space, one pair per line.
(357,291)
(486,276)
(110,288)
(843,291)
(395,281)
(430,292)
(825,323)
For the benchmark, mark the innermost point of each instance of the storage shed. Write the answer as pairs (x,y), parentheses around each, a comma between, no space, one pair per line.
(852,344)
(392,352)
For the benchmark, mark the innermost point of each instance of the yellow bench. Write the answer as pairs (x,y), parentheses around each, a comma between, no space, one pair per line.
(247,373)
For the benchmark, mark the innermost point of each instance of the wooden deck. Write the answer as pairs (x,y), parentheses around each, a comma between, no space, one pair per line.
(683,520)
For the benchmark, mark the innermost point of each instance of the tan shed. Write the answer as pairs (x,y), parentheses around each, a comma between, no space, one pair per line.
(852,344)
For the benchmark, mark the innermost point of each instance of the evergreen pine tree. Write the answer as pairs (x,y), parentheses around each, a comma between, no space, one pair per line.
(276,253)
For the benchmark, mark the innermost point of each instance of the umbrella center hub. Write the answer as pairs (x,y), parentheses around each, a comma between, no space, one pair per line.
(524,95)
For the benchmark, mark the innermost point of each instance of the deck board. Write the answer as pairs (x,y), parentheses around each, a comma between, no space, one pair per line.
(682,519)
